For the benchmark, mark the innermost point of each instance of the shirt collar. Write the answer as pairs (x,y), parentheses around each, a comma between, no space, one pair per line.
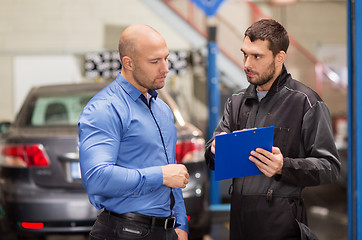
(131,90)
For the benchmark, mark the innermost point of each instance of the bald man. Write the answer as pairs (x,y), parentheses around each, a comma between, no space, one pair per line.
(127,144)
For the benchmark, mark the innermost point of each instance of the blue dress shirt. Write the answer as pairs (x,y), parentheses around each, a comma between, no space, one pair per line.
(121,152)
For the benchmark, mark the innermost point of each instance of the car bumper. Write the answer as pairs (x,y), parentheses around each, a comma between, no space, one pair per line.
(196,198)
(199,215)
(58,211)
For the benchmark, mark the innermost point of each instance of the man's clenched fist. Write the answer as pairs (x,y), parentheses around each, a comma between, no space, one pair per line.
(175,175)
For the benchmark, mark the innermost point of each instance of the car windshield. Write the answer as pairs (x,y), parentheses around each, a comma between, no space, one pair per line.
(58,109)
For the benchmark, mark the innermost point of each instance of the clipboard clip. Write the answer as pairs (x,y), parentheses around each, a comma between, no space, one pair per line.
(245,129)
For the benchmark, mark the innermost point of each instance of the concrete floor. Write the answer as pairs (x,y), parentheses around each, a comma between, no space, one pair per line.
(327,211)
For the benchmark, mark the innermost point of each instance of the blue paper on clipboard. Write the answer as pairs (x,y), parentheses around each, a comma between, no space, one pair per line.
(232,151)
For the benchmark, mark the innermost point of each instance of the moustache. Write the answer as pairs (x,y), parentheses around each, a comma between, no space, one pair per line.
(162,76)
(249,71)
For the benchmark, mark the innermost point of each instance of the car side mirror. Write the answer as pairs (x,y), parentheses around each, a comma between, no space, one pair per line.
(4,126)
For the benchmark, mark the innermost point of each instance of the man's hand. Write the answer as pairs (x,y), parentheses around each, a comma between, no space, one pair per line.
(213,143)
(269,163)
(182,235)
(175,175)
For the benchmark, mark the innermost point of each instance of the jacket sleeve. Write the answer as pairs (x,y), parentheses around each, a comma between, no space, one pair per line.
(223,126)
(320,163)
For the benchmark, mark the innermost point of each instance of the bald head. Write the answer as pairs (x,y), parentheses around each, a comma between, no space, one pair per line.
(133,38)
(144,57)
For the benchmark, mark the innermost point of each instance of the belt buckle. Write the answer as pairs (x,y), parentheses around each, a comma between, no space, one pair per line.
(170,223)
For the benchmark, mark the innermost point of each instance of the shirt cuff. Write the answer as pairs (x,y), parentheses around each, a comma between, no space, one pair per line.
(153,178)
(184,227)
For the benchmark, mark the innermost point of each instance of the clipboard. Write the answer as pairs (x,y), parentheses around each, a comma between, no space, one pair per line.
(232,151)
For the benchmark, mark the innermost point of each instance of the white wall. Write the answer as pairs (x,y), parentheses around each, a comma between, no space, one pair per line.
(38,29)
(31,71)
(40,32)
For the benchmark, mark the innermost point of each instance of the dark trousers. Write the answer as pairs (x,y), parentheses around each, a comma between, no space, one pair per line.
(109,227)
(253,217)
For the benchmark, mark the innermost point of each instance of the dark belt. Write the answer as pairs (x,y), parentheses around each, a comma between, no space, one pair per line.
(163,222)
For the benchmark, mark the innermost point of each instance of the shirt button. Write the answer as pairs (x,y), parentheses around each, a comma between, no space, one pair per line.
(151,190)
(135,194)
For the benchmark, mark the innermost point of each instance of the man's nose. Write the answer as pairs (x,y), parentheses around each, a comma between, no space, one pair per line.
(165,67)
(247,62)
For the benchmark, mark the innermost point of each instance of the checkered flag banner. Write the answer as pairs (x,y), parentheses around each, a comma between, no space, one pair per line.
(107,64)
(102,64)
(177,62)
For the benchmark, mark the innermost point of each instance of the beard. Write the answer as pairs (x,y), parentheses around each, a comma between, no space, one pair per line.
(261,79)
(143,79)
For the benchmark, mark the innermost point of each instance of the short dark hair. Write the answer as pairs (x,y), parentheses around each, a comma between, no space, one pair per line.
(271,30)
(126,47)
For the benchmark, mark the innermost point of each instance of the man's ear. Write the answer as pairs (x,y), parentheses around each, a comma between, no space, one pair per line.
(281,57)
(127,63)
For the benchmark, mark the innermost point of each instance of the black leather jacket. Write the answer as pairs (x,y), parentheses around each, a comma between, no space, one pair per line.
(303,132)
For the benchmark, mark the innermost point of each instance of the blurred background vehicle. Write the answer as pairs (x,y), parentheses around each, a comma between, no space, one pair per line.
(40,184)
